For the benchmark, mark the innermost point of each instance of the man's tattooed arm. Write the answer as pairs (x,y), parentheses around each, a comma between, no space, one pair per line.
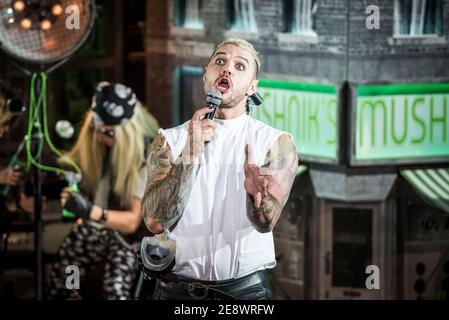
(269,187)
(168,186)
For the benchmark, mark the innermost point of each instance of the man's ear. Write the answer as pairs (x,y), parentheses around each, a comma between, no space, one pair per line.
(252,87)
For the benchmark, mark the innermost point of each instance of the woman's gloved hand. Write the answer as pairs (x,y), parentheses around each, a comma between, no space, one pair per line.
(79,204)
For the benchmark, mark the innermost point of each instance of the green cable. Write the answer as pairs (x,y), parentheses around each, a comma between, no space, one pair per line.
(46,134)
(34,117)
(33,112)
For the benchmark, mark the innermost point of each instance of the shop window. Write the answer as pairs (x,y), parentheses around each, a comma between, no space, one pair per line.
(299,16)
(241,15)
(418,17)
(352,246)
(188,14)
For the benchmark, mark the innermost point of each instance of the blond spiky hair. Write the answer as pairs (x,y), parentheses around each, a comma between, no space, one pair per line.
(242,43)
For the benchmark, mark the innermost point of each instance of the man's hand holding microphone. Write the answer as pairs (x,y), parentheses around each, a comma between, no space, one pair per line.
(201,127)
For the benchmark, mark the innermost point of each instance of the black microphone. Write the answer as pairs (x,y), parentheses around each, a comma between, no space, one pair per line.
(213,100)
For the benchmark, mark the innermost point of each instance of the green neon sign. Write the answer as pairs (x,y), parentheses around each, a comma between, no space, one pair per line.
(402,121)
(307,111)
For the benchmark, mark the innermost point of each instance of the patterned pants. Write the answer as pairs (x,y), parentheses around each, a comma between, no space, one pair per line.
(85,247)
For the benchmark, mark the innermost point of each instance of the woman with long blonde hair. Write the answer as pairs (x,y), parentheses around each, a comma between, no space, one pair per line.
(111,152)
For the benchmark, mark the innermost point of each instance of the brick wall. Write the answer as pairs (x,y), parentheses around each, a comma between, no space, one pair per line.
(375,56)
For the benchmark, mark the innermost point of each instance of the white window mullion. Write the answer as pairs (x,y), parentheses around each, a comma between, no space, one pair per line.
(296,16)
(244,10)
(397,17)
(422,16)
(303,15)
(192,14)
(413,17)
(252,16)
(237,15)
(417,17)
(309,16)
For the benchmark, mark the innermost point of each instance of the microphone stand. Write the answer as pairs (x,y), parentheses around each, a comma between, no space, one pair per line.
(37,192)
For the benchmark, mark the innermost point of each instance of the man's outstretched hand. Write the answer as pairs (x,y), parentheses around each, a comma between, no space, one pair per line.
(268,186)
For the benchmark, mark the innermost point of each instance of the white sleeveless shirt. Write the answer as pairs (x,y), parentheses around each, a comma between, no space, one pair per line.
(214,238)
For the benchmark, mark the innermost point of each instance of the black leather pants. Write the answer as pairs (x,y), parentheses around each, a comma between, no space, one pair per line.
(255,286)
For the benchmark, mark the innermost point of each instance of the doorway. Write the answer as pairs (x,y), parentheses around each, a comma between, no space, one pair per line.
(350,241)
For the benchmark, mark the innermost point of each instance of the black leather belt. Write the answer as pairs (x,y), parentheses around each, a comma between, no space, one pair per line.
(198,289)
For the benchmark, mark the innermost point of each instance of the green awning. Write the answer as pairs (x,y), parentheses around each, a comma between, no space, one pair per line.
(432,184)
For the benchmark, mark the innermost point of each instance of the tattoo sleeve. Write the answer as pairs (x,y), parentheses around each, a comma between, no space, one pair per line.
(168,185)
(279,168)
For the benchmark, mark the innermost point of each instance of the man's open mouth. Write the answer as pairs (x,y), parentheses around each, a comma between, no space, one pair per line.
(223,84)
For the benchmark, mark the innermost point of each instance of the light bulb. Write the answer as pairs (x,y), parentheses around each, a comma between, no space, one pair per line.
(19,6)
(56,9)
(45,24)
(25,23)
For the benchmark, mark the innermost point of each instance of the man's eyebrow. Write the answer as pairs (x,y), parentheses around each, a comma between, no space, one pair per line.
(227,53)
(243,58)
(220,52)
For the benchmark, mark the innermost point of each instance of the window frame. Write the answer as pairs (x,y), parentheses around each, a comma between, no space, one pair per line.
(397,23)
(288,9)
(179,15)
